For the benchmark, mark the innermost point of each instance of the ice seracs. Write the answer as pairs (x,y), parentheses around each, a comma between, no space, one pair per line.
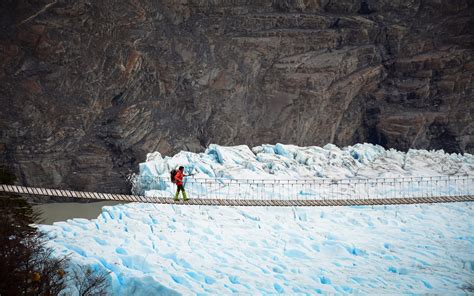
(281,161)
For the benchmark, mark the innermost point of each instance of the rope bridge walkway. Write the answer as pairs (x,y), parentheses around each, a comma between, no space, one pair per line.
(316,192)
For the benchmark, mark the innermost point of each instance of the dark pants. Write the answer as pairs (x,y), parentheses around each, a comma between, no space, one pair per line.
(180,188)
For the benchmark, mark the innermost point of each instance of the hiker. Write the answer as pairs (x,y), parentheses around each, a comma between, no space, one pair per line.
(179,182)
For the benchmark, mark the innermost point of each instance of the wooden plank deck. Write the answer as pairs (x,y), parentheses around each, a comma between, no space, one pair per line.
(232,202)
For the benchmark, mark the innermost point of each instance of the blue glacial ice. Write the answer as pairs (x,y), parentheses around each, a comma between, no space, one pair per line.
(289,162)
(153,249)
(175,249)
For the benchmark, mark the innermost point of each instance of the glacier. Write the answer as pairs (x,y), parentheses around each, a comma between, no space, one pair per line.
(281,161)
(152,249)
(199,250)
(214,169)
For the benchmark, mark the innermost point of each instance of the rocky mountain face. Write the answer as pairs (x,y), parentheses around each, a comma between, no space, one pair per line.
(87,88)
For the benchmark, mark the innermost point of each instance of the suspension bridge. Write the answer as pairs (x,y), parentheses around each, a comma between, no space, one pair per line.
(314,192)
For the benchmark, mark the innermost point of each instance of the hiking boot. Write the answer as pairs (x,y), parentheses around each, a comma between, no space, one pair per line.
(185,199)
(176,199)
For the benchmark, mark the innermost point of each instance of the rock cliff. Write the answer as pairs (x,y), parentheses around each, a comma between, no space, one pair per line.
(89,87)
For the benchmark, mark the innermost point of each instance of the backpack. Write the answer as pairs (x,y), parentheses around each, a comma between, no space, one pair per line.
(172,174)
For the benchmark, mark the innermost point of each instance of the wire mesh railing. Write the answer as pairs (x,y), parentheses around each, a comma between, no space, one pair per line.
(309,189)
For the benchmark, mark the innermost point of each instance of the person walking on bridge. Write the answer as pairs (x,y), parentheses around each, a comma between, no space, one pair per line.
(179,182)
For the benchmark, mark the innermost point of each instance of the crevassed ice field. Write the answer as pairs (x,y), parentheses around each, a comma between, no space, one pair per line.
(175,249)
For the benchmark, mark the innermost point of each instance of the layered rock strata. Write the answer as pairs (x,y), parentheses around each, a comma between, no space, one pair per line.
(87,88)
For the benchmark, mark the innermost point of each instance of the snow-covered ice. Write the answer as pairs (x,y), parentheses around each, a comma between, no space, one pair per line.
(292,162)
(215,171)
(197,250)
(204,250)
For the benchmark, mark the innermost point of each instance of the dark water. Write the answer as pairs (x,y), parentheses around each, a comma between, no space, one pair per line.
(54,212)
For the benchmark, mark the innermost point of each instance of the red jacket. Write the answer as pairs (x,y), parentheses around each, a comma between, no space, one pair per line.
(179,178)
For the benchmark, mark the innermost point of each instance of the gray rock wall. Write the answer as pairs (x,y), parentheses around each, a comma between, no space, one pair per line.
(89,87)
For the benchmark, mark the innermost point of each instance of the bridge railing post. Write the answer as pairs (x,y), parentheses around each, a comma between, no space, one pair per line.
(292,190)
(444,186)
(367,189)
(464,187)
(453,184)
(382,188)
(431,187)
(453,191)
(423,187)
(428,187)
(402,186)
(377,191)
(399,187)
(394,188)
(458,193)
(447,187)
(468,186)
(332,190)
(456,187)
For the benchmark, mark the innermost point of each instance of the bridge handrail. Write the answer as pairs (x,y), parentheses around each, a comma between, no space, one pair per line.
(315,180)
(354,188)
